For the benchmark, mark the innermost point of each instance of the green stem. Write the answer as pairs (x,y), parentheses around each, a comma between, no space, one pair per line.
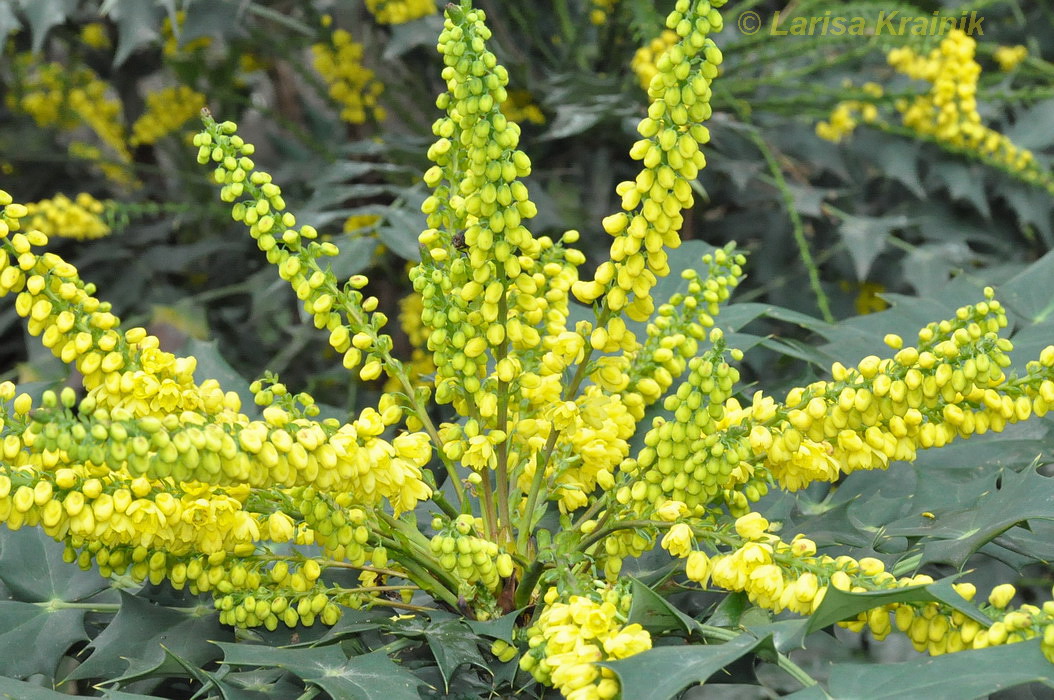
(53,605)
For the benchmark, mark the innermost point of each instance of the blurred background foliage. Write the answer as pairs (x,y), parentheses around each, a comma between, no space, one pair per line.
(852,232)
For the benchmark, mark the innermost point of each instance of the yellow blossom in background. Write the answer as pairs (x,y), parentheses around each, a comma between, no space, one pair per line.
(867,299)
(351,85)
(400,11)
(56,96)
(602,9)
(60,216)
(166,111)
(1009,57)
(520,107)
(361,223)
(95,35)
(948,112)
(644,60)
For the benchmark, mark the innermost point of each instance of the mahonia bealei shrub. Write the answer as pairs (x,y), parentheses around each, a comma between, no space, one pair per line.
(157,476)
(947,114)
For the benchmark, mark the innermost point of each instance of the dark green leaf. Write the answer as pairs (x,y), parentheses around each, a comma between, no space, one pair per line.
(408,35)
(131,645)
(663,672)
(656,614)
(356,254)
(1032,129)
(1029,293)
(865,238)
(954,536)
(964,675)
(32,568)
(453,644)
(11,689)
(501,628)
(370,677)
(137,24)
(33,638)
(210,681)
(400,230)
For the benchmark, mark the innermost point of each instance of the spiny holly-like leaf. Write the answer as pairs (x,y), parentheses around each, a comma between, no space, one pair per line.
(656,614)
(663,672)
(865,238)
(953,537)
(501,628)
(843,605)
(32,568)
(211,681)
(34,638)
(9,22)
(372,676)
(137,23)
(1028,293)
(131,645)
(10,689)
(43,15)
(963,675)
(453,644)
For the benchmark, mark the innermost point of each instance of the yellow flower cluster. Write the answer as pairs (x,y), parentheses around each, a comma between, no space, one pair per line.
(361,223)
(1010,57)
(672,134)
(166,111)
(357,334)
(152,473)
(460,550)
(948,112)
(351,85)
(600,12)
(95,35)
(521,107)
(674,333)
(400,11)
(55,96)
(645,59)
(79,218)
(687,459)
(568,638)
(778,576)
(843,119)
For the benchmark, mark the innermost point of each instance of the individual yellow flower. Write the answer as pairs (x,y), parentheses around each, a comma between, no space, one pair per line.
(1010,57)
(678,540)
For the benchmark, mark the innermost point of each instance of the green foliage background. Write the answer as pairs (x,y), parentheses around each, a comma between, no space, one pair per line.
(883,211)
